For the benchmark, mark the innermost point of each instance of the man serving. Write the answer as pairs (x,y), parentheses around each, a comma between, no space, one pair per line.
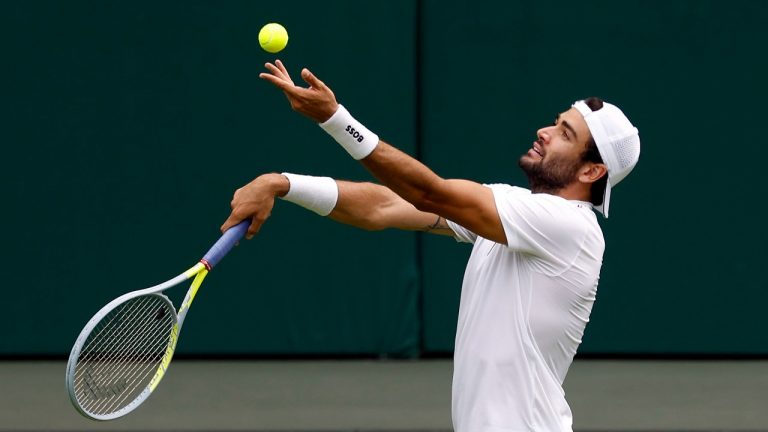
(531,279)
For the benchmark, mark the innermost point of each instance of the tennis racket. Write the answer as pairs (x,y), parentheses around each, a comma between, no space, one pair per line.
(125,349)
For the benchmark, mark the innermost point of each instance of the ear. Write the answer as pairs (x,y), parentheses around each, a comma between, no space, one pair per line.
(592,172)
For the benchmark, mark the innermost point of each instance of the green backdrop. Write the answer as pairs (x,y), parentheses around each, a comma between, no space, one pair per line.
(126,127)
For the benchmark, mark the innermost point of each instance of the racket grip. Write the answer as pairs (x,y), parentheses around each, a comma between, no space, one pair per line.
(225,243)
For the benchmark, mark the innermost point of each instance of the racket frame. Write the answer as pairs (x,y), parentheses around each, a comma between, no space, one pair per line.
(198,271)
(215,254)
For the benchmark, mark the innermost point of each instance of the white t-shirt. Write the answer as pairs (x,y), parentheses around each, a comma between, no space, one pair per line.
(523,311)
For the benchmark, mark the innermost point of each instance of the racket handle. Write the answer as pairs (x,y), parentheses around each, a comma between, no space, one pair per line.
(225,244)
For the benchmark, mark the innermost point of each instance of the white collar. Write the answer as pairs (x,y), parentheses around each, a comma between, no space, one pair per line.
(585,204)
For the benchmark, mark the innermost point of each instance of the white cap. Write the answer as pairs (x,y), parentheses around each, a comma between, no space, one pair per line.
(617,141)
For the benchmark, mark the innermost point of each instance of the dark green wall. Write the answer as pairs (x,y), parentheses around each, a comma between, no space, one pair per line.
(126,126)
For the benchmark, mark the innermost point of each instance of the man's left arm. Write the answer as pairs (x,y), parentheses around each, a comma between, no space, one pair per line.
(467,203)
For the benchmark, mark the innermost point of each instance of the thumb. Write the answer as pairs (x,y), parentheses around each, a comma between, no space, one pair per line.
(311,79)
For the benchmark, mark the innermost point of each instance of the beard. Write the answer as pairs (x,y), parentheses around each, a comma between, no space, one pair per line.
(548,175)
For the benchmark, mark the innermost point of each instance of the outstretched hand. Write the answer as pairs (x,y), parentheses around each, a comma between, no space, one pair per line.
(316,102)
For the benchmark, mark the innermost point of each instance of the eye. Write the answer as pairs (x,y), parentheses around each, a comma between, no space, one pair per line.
(565,134)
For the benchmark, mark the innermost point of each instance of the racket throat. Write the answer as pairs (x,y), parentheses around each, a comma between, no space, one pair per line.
(191,295)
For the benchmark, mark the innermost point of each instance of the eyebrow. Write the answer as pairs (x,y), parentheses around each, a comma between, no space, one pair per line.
(568,126)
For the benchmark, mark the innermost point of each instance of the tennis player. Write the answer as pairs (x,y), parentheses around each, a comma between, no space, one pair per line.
(531,279)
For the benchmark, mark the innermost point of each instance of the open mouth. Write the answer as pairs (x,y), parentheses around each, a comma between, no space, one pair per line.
(537,148)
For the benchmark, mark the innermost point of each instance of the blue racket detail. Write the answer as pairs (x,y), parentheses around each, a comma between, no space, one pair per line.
(225,244)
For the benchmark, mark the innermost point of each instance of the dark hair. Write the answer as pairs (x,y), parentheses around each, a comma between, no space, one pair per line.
(592,154)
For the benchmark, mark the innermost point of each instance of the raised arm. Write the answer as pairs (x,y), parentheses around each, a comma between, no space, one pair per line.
(467,203)
(363,205)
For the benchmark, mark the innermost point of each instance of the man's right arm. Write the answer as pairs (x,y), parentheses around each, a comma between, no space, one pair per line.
(374,207)
(363,205)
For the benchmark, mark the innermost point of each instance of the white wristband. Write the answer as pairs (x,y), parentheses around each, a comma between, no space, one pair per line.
(318,194)
(356,139)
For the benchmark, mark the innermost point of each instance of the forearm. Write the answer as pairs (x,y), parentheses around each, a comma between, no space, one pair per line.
(374,207)
(406,176)
(403,174)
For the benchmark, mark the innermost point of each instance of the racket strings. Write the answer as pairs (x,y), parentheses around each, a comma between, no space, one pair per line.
(120,367)
(123,352)
(115,374)
(98,371)
(112,334)
(136,372)
(131,367)
(108,350)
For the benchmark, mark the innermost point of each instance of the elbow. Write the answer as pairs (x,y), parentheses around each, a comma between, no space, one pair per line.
(427,201)
(431,196)
(426,206)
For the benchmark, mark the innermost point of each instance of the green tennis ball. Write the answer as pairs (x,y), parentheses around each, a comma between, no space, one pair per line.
(273,38)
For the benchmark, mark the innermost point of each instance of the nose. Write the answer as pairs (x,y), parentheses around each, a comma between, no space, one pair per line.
(543,135)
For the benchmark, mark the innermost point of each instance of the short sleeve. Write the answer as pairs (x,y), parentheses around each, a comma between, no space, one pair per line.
(461,234)
(543,225)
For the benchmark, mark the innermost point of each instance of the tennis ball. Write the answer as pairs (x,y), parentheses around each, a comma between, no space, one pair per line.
(273,37)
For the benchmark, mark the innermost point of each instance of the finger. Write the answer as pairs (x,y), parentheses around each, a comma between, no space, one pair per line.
(277,72)
(282,68)
(293,92)
(231,221)
(274,70)
(254,228)
(311,79)
(283,85)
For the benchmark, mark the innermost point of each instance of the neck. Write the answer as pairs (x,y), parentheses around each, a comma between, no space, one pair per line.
(574,191)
